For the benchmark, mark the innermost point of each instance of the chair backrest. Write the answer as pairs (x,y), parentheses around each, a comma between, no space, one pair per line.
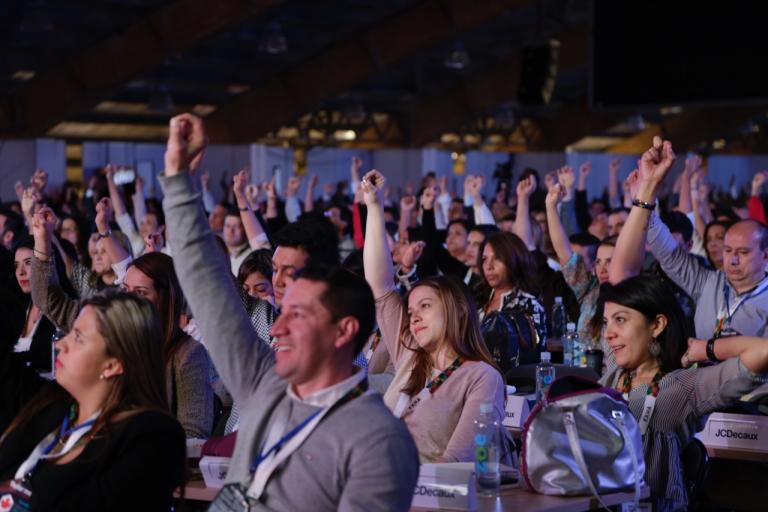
(695,469)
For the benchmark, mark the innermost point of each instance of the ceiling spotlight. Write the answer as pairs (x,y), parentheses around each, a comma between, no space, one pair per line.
(458,58)
(345,135)
(274,41)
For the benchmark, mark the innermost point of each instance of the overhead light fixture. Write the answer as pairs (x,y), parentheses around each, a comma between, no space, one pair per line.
(458,59)
(23,75)
(344,135)
(274,41)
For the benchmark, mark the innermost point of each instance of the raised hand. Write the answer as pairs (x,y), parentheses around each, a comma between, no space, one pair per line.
(29,199)
(139,184)
(39,180)
(656,161)
(566,178)
(585,169)
(356,165)
(18,187)
(186,142)
(411,254)
(373,185)
(239,184)
(109,173)
(154,241)
(554,195)
(252,194)
(428,198)
(631,184)
(294,182)
(550,179)
(269,187)
(44,224)
(407,204)
(614,166)
(103,215)
(757,182)
(474,186)
(312,181)
(526,187)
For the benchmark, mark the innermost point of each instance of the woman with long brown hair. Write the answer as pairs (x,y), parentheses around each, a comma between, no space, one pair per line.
(187,366)
(152,276)
(100,438)
(443,371)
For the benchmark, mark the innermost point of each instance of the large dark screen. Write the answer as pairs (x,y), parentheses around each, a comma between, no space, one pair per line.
(671,53)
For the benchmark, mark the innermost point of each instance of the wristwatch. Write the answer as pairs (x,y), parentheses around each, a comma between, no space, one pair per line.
(105,234)
(711,350)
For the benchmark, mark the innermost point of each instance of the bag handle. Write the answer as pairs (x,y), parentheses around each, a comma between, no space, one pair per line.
(573,440)
(618,417)
(569,420)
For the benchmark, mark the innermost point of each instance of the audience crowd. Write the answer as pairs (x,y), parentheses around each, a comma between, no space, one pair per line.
(330,344)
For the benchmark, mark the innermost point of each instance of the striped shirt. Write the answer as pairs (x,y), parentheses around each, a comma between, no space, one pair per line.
(685,398)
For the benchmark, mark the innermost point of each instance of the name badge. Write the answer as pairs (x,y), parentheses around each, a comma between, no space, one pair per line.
(15,496)
(645,418)
(516,411)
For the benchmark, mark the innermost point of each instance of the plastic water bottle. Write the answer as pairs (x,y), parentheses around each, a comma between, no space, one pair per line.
(545,374)
(57,335)
(558,318)
(569,338)
(487,451)
(579,355)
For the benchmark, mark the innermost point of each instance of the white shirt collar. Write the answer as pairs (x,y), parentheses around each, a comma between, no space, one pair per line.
(330,395)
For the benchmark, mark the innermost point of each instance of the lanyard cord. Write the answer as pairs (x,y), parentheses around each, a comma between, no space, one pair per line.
(353,393)
(653,388)
(435,384)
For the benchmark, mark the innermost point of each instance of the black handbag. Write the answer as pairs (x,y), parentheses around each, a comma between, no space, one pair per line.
(511,338)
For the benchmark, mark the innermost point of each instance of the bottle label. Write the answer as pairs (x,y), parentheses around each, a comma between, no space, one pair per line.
(547,379)
(481,453)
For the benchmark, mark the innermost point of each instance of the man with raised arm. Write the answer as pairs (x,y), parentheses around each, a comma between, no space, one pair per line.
(729,301)
(311,437)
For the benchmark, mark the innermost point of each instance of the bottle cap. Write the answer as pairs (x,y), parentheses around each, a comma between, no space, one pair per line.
(486,407)
(558,300)
(570,326)
(546,356)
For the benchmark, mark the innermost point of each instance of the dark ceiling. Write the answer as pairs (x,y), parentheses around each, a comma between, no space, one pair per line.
(117,69)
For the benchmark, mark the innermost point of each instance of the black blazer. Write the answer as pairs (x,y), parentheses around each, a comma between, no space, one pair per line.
(39,354)
(136,465)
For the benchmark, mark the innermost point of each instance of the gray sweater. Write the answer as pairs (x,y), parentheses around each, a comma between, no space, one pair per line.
(359,457)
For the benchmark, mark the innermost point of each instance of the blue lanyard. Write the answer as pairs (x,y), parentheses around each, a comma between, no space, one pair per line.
(65,431)
(287,437)
(353,393)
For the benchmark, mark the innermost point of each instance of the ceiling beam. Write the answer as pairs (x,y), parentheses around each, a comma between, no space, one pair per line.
(305,87)
(93,73)
(476,95)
